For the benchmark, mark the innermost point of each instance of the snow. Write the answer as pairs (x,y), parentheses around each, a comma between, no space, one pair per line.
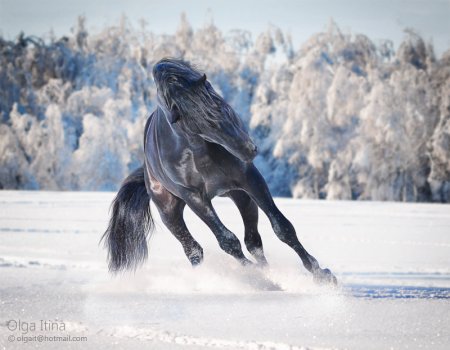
(392,261)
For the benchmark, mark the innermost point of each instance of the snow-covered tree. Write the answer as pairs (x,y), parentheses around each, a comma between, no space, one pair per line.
(339,118)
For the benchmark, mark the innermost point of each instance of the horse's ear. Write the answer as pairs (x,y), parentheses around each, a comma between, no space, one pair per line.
(202,80)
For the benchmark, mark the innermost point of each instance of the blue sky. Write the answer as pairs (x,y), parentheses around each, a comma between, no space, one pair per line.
(382,19)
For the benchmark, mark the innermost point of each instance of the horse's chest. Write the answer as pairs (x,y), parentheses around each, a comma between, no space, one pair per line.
(216,180)
(186,167)
(199,170)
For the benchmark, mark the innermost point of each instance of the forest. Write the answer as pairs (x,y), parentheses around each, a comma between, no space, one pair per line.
(340,117)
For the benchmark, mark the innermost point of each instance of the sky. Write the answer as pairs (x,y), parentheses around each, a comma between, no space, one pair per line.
(382,19)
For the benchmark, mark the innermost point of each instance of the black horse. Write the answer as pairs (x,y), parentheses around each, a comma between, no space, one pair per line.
(196,148)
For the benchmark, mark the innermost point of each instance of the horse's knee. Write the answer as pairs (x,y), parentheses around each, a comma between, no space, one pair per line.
(230,243)
(284,230)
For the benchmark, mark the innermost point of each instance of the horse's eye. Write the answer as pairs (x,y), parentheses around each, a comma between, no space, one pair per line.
(173,80)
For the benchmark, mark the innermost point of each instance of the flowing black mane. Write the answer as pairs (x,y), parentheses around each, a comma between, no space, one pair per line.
(190,97)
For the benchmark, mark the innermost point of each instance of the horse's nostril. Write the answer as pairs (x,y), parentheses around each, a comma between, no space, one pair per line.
(252,150)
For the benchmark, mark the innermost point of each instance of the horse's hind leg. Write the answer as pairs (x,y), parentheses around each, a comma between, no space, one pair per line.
(256,187)
(249,212)
(227,240)
(171,210)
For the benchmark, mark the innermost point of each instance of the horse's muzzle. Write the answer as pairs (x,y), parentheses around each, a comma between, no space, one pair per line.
(252,151)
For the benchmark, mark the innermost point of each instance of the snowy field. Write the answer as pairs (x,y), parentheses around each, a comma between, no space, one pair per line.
(392,261)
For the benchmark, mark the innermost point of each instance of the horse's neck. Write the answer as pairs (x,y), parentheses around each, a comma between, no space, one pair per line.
(174,132)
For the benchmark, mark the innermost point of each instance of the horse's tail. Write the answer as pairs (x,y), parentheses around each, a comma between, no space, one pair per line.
(130,224)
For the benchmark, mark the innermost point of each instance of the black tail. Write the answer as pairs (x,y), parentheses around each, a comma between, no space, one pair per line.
(130,224)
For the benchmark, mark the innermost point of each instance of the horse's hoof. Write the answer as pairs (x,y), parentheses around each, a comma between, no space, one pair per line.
(196,261)
(324,276)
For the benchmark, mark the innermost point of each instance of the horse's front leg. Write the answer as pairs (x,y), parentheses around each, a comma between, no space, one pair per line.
(256,187)
(249,212)
(227,239)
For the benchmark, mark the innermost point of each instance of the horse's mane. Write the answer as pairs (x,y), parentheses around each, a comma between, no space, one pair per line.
(186,91)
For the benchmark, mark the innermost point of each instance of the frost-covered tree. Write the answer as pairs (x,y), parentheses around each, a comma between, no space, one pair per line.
(339,118)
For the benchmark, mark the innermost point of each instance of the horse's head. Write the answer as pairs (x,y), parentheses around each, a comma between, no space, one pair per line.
(190,103)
